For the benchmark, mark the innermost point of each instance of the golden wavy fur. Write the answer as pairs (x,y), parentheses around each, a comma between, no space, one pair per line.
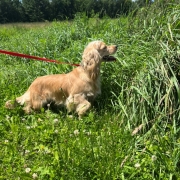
(76,89)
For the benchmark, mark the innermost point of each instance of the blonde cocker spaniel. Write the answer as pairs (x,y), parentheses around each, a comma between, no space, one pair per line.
(76,89)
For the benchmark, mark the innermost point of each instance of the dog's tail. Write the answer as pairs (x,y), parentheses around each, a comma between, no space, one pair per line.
(24,98)
(10,104)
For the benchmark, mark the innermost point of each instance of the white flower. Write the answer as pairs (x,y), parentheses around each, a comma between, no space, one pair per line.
(56,131)
(27,170)
(137,165)
(27,151)
(34,175)
(154,158)
(47,151)
(7,117)
(70,116)
(56,121)
(76,132)
(39,120)
(6,141)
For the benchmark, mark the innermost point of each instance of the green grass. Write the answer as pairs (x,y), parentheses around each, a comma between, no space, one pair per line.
(131,133)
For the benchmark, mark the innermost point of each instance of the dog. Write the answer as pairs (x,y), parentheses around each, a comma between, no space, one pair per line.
(76,89)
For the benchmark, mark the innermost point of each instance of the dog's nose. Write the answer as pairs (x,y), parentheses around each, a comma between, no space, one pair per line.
(116,46)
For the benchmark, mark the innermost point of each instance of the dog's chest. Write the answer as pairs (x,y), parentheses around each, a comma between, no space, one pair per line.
(89,86)
(93,88)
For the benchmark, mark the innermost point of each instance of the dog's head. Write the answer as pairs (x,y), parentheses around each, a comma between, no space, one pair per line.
(94,54)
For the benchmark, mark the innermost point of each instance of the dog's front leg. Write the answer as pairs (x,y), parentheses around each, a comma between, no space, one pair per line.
(78,103)
(82,108)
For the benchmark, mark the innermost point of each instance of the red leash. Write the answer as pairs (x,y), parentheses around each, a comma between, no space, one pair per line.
(34,57)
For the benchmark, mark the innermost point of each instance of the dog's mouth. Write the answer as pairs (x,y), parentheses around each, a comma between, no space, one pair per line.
(109,58)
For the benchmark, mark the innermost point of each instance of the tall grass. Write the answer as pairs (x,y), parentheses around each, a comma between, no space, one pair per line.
(132,132)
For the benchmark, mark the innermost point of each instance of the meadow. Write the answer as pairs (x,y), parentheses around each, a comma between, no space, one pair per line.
(132,132)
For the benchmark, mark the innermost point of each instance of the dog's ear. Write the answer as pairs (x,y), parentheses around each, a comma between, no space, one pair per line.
(90,59)
(91,63)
